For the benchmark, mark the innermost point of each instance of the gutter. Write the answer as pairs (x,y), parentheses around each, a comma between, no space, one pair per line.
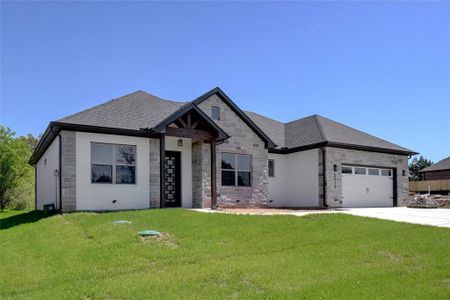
(340,145)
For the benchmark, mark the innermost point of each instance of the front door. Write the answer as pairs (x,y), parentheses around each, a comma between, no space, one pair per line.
(172,174)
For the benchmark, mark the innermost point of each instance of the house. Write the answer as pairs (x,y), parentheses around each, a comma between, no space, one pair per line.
(139,151)
(437,171)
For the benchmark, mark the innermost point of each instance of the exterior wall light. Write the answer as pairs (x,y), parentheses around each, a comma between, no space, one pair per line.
(180,143)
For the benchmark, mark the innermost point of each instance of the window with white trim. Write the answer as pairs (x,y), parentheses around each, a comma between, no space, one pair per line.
(113,163)
(236,169)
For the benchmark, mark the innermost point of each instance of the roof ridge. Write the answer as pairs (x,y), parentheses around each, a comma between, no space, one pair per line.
(93,107)
(120,98)
(319,126)
(247,111)
(104,103)
(310,116)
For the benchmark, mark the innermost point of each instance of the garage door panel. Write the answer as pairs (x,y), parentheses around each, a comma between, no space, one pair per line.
(363,190)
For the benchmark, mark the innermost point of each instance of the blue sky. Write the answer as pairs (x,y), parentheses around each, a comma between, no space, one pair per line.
(383,68)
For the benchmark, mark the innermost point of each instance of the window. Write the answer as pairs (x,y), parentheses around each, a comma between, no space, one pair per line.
(346,170)
(215,113)
(374,172)
(113,163)
(271,168)
(360,171)
(385,172)
(236,169)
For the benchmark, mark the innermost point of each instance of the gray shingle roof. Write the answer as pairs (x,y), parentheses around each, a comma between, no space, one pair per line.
(142,110)
(440,165)
(340,133)
(274,129)
(316,129)
(133,111)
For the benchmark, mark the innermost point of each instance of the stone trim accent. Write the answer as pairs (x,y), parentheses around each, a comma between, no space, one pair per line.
(321,177)
(201,174)
(341,156)
(68,171)
(154,182)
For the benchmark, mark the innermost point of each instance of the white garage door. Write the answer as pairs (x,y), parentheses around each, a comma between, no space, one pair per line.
(366,187)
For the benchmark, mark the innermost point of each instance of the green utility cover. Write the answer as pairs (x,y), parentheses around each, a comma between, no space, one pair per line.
(149,232)
(122,222)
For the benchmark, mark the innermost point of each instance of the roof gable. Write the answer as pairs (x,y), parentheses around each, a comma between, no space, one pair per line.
(217,91)
(162,126)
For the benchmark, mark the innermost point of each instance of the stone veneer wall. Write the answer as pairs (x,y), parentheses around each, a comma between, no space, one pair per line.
(243,140)
(341,156)
(68,171)
(321,181)
(201,174)
(154,159)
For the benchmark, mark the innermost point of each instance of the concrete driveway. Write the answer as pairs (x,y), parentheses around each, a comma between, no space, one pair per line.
(425,216)
(431,216)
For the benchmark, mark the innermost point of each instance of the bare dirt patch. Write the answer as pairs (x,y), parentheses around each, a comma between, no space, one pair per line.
(391,256)
(166,239)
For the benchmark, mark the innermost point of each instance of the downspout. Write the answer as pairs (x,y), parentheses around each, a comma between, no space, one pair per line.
(35,187)
(59,173)
(324,174)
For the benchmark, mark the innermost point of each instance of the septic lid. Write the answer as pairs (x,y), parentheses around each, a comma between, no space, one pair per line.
(121,222)
(149,232)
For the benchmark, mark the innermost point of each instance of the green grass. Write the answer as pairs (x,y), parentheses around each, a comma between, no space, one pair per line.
(85,256)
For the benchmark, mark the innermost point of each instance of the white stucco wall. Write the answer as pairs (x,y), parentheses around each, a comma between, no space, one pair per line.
(91,196)
(296,181)
(171,144)
(47,188)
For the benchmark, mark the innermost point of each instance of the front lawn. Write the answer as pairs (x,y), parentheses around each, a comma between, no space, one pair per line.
(86,256)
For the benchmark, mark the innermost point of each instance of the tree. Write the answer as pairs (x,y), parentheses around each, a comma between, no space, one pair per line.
(31,140)
(14,168)
(416,165)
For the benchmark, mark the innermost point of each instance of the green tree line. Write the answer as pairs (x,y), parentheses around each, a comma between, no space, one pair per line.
(16,175)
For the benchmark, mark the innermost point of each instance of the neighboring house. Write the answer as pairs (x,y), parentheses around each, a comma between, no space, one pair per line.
(437,171)
(140,151)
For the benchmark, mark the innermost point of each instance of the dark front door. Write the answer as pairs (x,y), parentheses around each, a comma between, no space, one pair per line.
(172,174)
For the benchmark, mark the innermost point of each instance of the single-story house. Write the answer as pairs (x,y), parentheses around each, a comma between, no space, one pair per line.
(139,151)
(437,171)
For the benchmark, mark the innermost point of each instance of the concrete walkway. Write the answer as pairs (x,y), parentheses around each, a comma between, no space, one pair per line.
(424,216)
(431,216)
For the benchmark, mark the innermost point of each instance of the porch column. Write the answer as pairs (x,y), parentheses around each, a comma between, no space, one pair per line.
(213,175)
(162,158)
